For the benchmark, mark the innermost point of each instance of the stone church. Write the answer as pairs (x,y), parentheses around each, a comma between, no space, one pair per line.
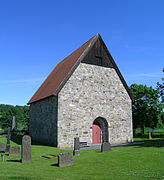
(84,96)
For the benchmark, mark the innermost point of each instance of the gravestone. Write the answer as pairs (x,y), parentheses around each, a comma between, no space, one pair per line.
(76,151)
(2,147)
(8,135)
(13,124)
(150,134)
(2,150)
(8,139)
(65,159)
(15,150)
(26,149)
(105,147)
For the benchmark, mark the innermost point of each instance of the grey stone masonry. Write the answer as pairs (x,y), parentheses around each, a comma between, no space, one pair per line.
(76,143)
(150,134)
(14,150)
(13,124)
(93,91)
(76,151)
(26,149)
(105,147)
(43,121)
(8,139)
(2,147)
(65,159)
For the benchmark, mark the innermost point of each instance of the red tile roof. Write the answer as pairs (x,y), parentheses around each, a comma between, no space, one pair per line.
(57,76)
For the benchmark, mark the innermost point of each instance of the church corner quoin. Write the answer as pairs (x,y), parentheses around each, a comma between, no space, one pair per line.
(91,101)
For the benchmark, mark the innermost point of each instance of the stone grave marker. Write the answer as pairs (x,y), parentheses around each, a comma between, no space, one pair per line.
(105,147)
(2,150)
(65,159)
(13,124)
(7,147)
(26,149)
(150,134)
(8,135)
(76,151)
(8,139)
(2,147)
(15,150)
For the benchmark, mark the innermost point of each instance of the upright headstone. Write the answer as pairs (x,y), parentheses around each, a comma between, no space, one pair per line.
(105,147)
(76,151)
(15,150)
(150,134)
(8,139)
(65,159)
(2,150)
(2,147)
(26,149)
(13,124)
(8,135)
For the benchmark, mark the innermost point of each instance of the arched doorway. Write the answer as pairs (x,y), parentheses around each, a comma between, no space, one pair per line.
(100,131)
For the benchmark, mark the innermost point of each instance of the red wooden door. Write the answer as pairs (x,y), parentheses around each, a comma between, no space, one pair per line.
(96,134)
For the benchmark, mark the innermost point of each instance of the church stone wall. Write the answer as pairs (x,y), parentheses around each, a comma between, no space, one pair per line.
(43,121)
(91,92)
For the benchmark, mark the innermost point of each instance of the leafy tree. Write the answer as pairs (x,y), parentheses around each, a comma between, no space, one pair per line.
(6,117)
(160,89)
(21,114)
(162,118)
(146,107)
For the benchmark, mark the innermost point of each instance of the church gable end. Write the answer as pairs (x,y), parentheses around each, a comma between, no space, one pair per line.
(94,52)
(98,56)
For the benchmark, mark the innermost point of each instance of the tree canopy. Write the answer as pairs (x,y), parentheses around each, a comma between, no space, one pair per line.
(147,107)
(160,89)
(21,114)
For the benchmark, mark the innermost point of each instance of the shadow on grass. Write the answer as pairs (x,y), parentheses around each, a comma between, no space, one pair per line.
(55,165)
(149,143)
(14,161)
(18,177)
(50,156)
(154,135)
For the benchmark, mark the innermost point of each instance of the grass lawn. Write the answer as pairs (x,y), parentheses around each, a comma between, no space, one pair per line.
(141,161)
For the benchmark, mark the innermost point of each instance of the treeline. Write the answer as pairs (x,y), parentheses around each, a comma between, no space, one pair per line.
(21,114)
(148,106)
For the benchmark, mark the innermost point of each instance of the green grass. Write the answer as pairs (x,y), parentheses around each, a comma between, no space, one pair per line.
(141,161)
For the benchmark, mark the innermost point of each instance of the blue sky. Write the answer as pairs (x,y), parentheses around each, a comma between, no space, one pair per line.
(35,35)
